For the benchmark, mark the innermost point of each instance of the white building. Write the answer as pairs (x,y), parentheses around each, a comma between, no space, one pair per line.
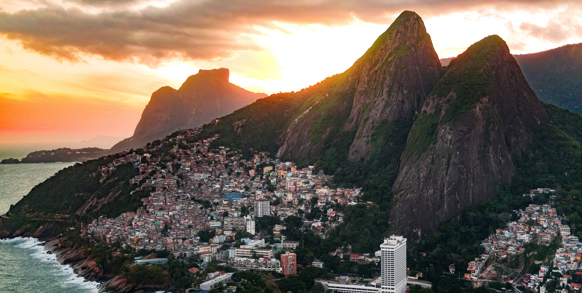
(262,208)
(393,278)
(244,252)
(251,226)
(211,284)
(394,264)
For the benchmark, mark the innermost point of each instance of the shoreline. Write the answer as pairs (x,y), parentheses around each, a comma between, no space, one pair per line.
(43,251)
(46,162)
(80,265)
(84,268)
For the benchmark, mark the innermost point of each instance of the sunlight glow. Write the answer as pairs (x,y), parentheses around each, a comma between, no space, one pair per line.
(113,94)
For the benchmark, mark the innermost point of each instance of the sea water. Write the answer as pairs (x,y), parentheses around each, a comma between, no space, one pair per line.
(18,179)
(24,265)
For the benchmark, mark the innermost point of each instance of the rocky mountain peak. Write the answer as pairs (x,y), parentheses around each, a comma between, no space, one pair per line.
(393,79)
(205,77)
(462,145)
(201,98)
(222,74)
(387,84)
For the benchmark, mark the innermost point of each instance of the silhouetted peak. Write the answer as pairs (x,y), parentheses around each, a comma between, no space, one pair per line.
(220,73)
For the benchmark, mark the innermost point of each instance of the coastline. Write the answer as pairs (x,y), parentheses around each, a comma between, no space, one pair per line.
(80,265)
(38,251)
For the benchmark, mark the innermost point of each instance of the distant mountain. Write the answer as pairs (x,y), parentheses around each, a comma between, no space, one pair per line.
(60,155)
(554,75)
(201,98)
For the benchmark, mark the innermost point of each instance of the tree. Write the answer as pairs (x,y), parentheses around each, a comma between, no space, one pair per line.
(318,288)
(314,200)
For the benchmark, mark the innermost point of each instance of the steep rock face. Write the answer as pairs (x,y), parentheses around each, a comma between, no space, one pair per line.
(461,146)
(202,97)
(393,79)
(388,83)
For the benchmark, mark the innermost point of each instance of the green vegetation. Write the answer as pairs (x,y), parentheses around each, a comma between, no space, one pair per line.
(259,125)
(466,77)
(423,133)
(254,282)
(556,76)
(377,173)
(363,228)
(554,159)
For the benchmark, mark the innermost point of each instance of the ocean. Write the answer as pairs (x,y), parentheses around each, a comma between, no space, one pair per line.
(18,179)
(24,265)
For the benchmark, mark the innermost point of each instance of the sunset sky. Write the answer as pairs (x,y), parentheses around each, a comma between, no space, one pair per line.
(72,70)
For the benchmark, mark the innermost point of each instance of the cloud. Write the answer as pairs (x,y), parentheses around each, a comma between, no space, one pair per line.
(555,30)
(196,30)
(104,3)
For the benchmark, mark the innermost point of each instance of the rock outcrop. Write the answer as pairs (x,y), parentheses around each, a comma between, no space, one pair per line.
(201,98)
(388,83)
(461,146)
(393,79)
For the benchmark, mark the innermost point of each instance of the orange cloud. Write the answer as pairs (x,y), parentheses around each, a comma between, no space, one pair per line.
(198,30)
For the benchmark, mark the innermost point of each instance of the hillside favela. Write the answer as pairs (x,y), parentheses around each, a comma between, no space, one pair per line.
(291,147)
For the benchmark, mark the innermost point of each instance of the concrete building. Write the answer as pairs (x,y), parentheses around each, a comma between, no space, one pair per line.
(289,244)
(289,263)
(232,223)
(317,263)
(394,265)
(244,252)
(211,284)
(250,226)
(261,264)
(393,277)
(262,208)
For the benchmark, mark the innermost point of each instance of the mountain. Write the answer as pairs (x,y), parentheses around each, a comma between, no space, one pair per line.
(424,142)
(201,98)
(556,75)
(388,84)
(475,120)
(60,155)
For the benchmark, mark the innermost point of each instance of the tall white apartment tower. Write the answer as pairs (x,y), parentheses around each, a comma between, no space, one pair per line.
(250,226)
(262,208)
(393,264)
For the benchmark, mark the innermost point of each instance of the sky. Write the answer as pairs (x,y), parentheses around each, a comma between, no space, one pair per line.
(78,72)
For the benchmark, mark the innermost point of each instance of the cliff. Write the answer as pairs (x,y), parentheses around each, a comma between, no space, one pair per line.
(387,84)
(201,98)
(478,117)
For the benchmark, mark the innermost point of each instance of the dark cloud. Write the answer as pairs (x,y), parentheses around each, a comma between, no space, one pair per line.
(194,29)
